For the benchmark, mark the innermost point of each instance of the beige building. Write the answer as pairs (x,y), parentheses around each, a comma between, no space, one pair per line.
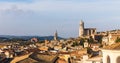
(111,37)
(105,40)
(111,54)
(87,59)
(34,40)
(86,44)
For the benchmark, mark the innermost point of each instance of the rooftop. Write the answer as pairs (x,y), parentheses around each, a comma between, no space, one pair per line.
(115,46)
(40,58)
(28,60)
(90,28)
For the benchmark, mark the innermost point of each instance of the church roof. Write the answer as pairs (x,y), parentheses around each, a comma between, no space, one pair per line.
(115,46)
(90,28)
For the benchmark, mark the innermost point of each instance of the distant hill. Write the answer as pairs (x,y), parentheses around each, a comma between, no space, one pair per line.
(3,38)
(28,37)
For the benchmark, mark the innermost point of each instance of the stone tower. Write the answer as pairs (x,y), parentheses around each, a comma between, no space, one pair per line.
(81,29)
(55,35)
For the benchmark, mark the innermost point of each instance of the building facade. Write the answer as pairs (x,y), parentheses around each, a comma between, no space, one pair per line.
(111,53)
(86,32)
(111,37)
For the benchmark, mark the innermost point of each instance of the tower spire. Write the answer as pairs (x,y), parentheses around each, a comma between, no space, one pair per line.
(81,28)
(55,35)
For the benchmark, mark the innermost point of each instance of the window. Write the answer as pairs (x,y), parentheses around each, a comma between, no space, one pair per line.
(118,59)
(108,59)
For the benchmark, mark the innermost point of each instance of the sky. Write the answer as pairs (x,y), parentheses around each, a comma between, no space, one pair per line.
(44,17)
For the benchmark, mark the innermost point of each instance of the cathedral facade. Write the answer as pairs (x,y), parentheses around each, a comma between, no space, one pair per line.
(86,32)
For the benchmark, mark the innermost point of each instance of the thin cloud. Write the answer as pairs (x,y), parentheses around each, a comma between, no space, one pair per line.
(27,1)
(57,14)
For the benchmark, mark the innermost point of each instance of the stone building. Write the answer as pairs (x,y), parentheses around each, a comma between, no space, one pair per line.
(111,53)
(34,40)
(87,59)
(111,37)
(86,32)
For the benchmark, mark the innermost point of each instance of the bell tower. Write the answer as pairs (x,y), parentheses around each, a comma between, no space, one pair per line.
(81,29)
(55,35)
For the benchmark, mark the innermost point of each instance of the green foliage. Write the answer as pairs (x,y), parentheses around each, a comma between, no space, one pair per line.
(75,44)
(89,50)
(82,40)
(91,40)
(99,38)
(117,40)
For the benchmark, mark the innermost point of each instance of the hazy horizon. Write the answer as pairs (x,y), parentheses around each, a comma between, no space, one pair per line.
(44,17)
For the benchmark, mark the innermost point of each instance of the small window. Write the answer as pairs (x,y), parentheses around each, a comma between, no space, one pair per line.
(118,59)
(93,62)
(108,59)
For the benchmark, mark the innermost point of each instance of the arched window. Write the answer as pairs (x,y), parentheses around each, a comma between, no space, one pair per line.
(118,59)
(108,59)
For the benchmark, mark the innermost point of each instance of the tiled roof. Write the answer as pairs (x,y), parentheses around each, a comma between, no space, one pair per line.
(28,60)
(115,46)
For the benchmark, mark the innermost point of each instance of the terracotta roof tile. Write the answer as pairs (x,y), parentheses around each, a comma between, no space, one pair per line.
(115,46)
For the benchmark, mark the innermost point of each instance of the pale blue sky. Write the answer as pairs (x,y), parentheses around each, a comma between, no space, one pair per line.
(44,17)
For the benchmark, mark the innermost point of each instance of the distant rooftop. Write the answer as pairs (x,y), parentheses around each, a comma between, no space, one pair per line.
(39,58)
(115,46)
(28,60)
(90,28)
